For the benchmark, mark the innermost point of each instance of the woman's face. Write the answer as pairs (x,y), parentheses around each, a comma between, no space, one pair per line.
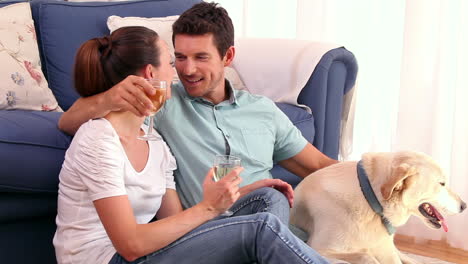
(165,71)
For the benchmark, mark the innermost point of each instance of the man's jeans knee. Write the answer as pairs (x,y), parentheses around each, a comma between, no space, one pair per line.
(263,200)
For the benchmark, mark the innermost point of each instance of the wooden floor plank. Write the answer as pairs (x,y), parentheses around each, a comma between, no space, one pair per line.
(431,248)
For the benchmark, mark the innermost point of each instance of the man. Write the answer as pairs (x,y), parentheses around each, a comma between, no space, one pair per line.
(205,116)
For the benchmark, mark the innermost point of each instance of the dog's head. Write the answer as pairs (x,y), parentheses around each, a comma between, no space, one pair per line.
(411,183)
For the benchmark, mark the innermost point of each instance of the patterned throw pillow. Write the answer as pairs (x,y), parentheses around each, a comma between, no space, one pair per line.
(163,26)
(22,83)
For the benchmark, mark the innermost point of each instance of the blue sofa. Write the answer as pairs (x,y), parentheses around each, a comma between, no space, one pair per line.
(32,148)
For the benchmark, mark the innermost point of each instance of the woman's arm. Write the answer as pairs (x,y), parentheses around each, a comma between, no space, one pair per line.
(127,95)
(132,240)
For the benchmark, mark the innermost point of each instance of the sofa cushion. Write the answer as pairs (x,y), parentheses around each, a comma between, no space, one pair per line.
(305,122)
(32,151)
(162,25)
(23,83)
(62,27)
(15,206)
(279,172)
(300,118)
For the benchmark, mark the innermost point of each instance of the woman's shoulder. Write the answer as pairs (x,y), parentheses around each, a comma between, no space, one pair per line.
(95,132)
(162,147)
(96,139)
(164,152)
(99,127)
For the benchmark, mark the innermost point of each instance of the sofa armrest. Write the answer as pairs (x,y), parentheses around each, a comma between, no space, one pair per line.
(333,77)
(305,73)
(313,74)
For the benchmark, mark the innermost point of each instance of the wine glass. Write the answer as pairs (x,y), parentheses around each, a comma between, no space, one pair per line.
(158,99)
(223,164)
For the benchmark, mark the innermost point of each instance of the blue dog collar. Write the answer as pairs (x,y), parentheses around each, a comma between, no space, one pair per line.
(369,194)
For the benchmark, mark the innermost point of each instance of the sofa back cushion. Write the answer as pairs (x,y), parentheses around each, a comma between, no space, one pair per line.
(62,27)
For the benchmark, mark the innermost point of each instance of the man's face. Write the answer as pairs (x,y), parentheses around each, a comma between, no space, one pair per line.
(200,67)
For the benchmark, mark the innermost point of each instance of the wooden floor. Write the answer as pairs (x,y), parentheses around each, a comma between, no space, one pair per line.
(431,248)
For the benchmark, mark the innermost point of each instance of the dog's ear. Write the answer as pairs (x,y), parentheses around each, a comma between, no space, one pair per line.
(395,183)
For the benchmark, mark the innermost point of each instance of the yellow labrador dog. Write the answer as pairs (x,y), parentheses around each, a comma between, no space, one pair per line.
(351,209)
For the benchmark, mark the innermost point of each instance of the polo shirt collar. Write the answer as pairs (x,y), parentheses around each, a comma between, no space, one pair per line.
(233,93)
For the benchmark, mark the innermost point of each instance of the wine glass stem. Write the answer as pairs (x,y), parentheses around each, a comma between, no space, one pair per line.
(150,125)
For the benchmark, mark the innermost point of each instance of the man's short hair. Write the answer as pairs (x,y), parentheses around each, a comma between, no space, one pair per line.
(204,18)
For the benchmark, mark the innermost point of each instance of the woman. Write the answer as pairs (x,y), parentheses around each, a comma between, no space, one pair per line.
(112,184)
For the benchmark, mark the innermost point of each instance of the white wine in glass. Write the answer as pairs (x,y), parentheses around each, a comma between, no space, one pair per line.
(158,99)
(223,165)
(222,170)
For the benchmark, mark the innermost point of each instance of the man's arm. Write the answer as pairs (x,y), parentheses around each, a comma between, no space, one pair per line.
(81,111)
(307,161)
(128,95)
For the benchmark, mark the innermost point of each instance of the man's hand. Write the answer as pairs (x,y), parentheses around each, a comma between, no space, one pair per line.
(129,95)
(277,184)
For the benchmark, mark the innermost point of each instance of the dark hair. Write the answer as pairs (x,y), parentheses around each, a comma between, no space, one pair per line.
(203,18)
(100,63)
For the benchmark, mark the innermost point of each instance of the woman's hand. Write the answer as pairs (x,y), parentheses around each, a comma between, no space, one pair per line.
(219,196)
(277,184)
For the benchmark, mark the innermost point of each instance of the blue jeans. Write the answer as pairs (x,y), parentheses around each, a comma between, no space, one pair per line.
(262,200)
(252,235)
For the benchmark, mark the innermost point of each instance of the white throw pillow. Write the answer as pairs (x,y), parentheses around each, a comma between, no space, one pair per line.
(163,26)
(23,85)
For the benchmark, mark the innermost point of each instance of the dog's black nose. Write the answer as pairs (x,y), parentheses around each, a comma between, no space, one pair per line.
(462,207)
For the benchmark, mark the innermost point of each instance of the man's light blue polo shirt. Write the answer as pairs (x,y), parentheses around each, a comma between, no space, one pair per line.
(248,126)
